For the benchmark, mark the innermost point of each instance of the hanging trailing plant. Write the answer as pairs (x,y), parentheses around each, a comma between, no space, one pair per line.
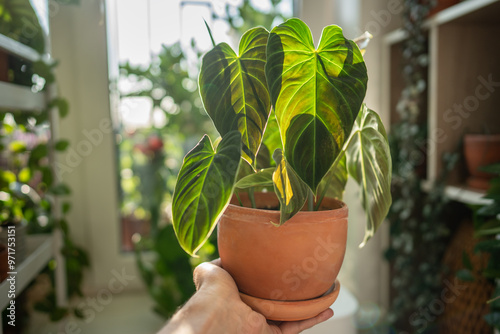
(418,228)
(25,154)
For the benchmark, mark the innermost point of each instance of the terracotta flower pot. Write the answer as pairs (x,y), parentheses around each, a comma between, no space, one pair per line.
(299,260)
(481,150)
(4,66)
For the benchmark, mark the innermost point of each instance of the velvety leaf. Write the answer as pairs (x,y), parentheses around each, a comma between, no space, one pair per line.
(316,94)
(272,138)
(263,157)
(263,178)
(234,89)
(369,163)
(203,189)
(290,189)
(333,184)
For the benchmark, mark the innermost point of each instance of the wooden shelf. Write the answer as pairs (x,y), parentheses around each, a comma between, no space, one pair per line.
(15,48)
(16,97)
(39,253)
(463,70)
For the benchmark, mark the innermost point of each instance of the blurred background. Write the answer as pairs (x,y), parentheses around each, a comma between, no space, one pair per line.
(99,103)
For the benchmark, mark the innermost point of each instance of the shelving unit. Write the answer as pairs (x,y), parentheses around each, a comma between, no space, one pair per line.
(21,99)
(39,253)
(463,55)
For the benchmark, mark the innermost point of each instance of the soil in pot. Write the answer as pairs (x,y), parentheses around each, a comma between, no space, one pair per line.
(299,260)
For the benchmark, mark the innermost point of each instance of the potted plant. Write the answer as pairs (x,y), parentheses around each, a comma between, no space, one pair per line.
(293,127)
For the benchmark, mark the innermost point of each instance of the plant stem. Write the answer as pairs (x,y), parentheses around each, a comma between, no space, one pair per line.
(310,200)
(320,198)
(251,196)
(239,199)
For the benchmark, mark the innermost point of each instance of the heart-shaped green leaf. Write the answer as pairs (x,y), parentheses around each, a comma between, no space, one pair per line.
(316,94)
(369,163)
(333,184)
(234,89)
(203,189)
(290,189)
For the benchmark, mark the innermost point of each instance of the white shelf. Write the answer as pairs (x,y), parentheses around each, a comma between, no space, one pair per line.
(395,37)
(39,252)
(20,97)
(18,49)
(466,195)
(461,194)
(458,11)
(465,10)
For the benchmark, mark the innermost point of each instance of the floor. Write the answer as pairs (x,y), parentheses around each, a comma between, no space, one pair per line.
(115,317)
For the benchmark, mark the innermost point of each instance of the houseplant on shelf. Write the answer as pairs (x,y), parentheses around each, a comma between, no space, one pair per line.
(291,119)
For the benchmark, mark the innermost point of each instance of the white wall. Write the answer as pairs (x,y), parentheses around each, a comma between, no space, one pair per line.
(79,42)
(364,271)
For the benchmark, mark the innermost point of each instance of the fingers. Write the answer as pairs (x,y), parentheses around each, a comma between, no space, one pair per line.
(211,274)
(294,327)
(217,262)
(204,273)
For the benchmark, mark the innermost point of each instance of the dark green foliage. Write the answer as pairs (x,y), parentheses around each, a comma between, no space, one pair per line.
(26,165)
(486,228)
(169,277)
(418,228)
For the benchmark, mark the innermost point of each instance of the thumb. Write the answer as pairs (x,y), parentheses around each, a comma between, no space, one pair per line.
(207,273)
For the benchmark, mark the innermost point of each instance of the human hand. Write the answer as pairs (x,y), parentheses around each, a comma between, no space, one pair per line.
(217,291)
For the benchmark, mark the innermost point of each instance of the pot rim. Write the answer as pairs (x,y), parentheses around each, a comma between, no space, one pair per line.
(338,212)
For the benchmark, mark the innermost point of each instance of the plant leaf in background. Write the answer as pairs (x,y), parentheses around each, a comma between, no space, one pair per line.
(290,189)
(316,94)
(19,21)
(262,178)
(333,184)
(204,188)
(234,89)
(369,163)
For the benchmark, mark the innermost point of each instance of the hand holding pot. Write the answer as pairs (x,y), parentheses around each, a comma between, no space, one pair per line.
(217,308)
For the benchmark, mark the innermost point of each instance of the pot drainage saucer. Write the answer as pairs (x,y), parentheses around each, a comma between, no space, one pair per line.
(283,310)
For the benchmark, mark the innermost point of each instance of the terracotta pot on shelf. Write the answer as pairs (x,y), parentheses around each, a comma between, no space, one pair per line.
(279,267)
(4,66)
(480,150)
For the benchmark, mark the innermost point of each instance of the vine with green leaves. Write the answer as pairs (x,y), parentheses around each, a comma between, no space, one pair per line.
(28,184)
(486,219)
(418,226)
